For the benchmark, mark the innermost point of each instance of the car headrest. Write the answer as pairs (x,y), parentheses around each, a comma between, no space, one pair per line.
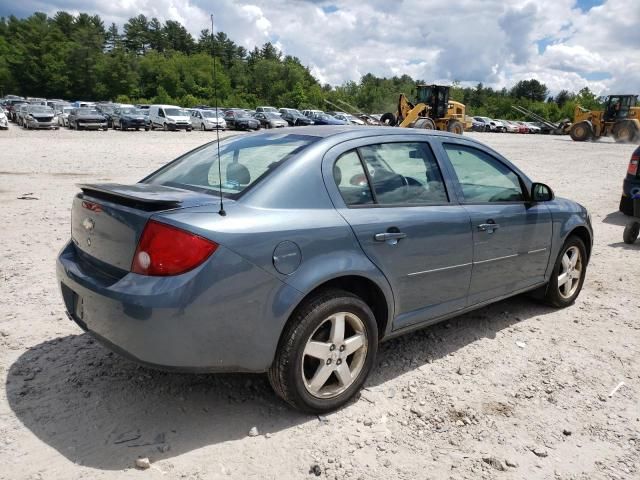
(337,174)
(238,173)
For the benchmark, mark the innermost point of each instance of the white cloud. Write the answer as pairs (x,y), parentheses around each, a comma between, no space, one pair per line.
(496,42)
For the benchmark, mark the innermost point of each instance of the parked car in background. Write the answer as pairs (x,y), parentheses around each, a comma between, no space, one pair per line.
(21,113)
(524,128)
(500,127)
(267,110)
(241,120)
(125,118)
(4,121)
(169,117)
(268,287)
(482,124)
(62,112)
(294,117)
(347,118)
(270,120)
(208,119)
(311,113)
(40,117)
(325,119)
(631,183)
(108,109)
(533,128)
(86,118)
(510,126)
(12,108)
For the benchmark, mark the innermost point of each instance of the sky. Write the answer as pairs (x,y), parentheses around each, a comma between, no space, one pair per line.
(566,44)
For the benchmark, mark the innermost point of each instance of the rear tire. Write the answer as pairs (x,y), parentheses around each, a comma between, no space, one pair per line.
(388,119)
(456,127)
(631,232)
(625,132)
(324,378)
(568,274)
(581,132)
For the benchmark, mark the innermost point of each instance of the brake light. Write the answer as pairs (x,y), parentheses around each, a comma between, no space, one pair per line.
(633,164)
(164,250)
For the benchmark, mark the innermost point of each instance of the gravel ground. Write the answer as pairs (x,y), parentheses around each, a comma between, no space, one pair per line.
(514,390)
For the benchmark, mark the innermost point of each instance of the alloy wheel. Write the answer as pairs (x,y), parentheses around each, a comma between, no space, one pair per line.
(334,355)
(570,272)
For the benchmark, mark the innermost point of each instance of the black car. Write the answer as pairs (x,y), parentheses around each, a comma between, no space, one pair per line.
(631,184)
(240,120)
(87,118)
(107,109)
(129,117)
(294,118)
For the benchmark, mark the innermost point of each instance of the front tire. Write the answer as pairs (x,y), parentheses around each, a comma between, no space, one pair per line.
(631,232)
(325,353)
(581,132)
(568,274)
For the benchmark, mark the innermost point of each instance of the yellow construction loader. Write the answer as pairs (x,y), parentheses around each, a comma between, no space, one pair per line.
(433,111)
(619,119)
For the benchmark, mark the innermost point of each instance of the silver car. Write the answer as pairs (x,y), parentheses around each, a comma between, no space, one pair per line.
(40,117)
(296,251)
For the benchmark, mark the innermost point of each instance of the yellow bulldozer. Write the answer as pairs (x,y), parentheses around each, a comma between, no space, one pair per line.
(433,111)
(619,119)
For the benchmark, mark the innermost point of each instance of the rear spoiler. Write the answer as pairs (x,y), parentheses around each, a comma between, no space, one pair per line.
(141,196)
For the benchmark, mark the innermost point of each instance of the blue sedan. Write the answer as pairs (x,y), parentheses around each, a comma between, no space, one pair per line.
(296,252)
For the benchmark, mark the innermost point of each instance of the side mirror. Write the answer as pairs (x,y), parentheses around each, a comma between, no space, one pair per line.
(541,193)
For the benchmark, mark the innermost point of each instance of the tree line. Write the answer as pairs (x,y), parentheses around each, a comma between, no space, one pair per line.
(148,61)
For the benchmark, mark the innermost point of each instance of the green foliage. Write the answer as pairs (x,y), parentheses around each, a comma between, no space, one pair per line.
(76,57)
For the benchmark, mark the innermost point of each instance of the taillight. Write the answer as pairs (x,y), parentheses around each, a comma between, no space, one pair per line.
(164,250)
(633,164)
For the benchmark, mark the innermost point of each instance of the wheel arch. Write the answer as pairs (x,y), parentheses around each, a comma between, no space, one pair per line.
(364,288)
(583,234)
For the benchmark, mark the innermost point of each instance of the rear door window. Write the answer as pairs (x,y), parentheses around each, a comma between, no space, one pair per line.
(404,174)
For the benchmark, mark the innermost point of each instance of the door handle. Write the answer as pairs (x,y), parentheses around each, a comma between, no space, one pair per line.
(383,237)
(488,227)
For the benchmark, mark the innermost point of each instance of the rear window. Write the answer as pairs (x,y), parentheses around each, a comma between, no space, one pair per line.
(244,161)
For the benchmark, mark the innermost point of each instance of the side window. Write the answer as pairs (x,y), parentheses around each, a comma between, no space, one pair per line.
(482,177)
(161,112)
(404,173)
(351,180)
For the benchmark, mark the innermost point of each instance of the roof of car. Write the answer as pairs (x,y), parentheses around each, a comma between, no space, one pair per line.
(353,131)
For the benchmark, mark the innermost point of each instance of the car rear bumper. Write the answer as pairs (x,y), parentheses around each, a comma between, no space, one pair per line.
(95,126)
(630,187)
(225,315)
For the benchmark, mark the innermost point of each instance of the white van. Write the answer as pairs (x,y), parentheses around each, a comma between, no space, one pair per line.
(169,117)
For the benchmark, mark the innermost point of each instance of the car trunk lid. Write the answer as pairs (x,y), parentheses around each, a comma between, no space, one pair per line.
(107,219)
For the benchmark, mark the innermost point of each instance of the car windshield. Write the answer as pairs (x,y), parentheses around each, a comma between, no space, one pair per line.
(40,109)
(243,115)
(175,112)
(245,160)
(131,111)
(67,109)
(323,116)
(88,111)
(271,116)
(210,114)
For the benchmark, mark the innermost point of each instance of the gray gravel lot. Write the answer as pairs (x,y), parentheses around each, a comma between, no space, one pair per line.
(514,390)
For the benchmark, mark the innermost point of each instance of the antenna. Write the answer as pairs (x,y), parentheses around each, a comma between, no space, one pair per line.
(221,212)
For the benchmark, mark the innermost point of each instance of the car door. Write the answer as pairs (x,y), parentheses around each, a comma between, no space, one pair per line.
(511,235)
(395,199)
